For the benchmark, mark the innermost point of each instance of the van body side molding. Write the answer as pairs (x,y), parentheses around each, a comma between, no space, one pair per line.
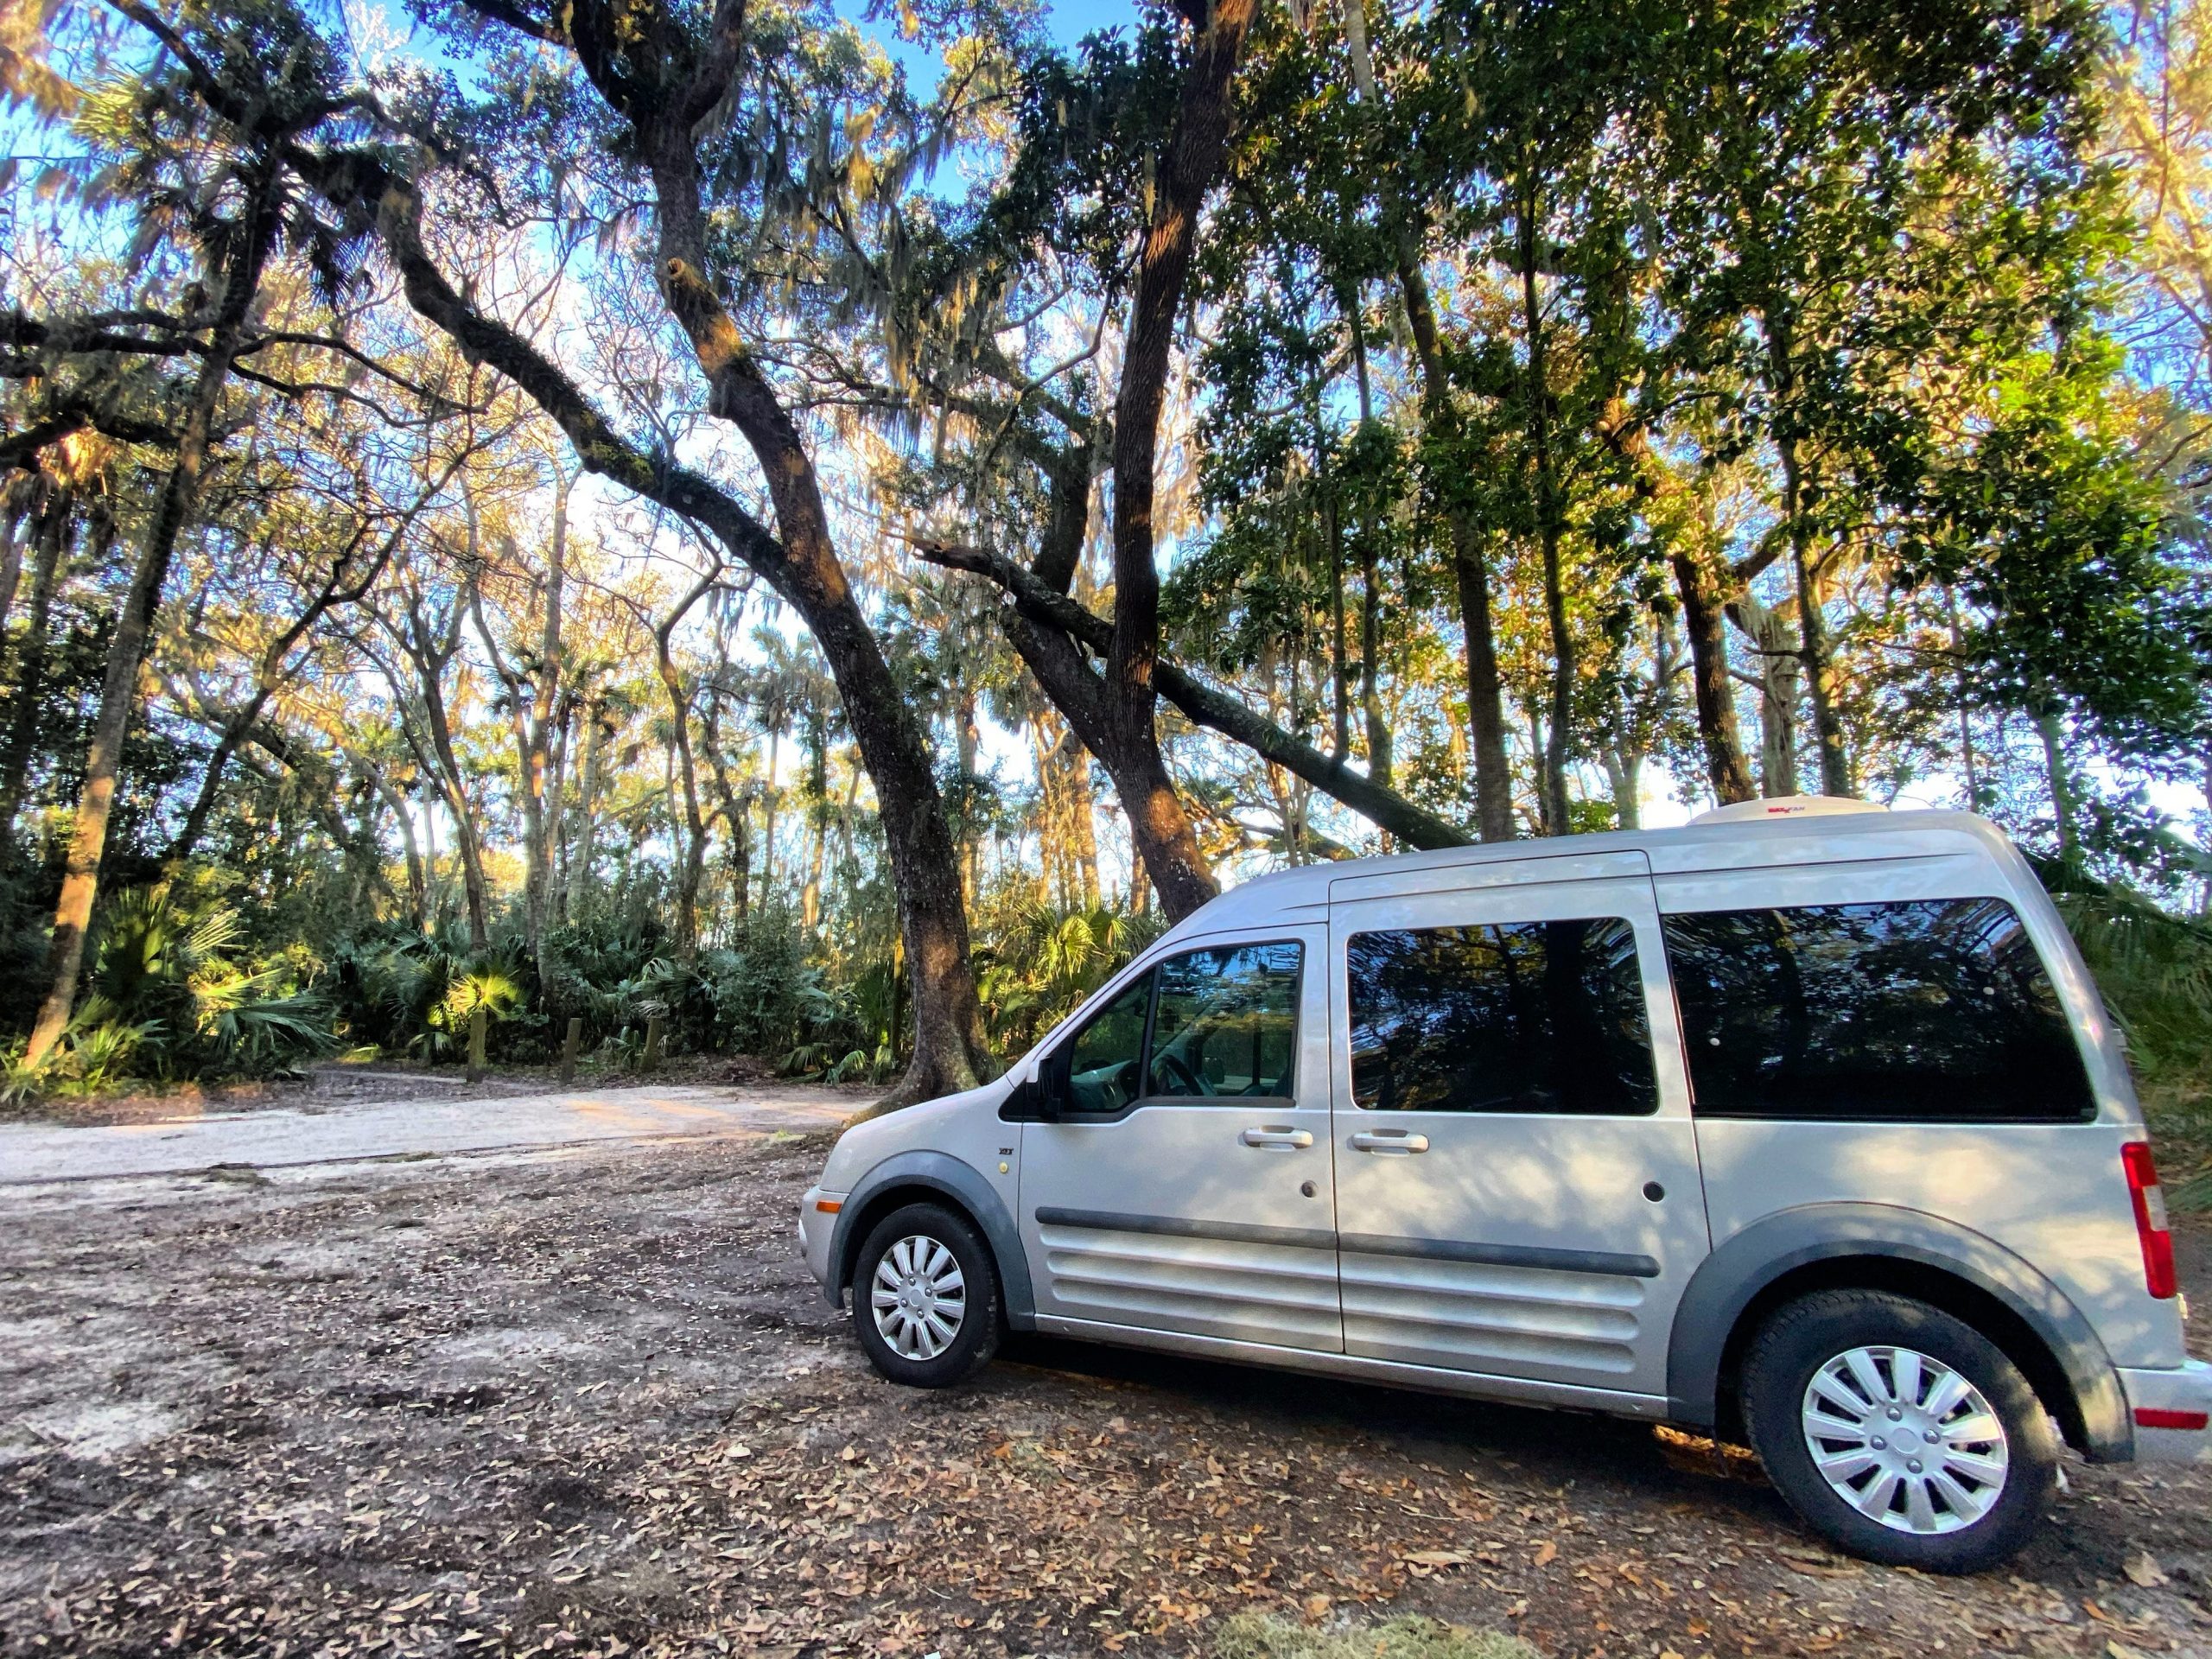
(939,1171)
(1236,1232)
(1504,1256)
(1726,1281)
(1319,1238)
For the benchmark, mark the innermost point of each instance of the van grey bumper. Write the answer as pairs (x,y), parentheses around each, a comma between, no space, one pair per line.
(816,1226)
(2172,1411)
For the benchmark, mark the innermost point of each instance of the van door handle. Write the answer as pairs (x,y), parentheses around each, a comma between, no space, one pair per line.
(1278,1139)
(1397,1143)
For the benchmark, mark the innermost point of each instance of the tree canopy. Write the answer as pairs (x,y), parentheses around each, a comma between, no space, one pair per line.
(828,528)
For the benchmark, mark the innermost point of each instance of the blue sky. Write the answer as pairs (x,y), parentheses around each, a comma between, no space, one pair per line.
(1069,21)
(1073,19)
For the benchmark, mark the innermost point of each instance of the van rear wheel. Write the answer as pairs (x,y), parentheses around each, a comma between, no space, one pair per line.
(926,1298)
(1898,1432)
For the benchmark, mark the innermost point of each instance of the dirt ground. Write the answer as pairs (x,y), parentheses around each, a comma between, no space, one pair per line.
(588,1402)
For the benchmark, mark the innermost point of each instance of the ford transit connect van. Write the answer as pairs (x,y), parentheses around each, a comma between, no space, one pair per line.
(1812,1132)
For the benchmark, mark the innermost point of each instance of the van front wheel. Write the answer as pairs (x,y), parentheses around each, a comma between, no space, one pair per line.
(926,1298)
(1897,1432)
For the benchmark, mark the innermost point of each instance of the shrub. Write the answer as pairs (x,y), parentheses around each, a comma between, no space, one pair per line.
(1260,1636)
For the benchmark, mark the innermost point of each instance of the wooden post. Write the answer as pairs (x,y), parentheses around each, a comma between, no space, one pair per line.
(569,1047)
(476,1021)
(651,1061)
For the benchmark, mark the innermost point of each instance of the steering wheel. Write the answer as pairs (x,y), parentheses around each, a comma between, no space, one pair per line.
(1190,1081)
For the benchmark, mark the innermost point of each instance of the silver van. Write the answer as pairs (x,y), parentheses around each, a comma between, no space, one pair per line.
(1810,1130)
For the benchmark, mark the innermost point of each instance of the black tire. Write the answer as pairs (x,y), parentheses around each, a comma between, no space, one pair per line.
(1803,1339)
(975,1336)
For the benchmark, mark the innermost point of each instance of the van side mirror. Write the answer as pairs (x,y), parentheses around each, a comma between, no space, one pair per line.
(1042,1098)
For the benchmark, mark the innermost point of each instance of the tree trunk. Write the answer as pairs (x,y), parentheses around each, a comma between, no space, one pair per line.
(770,794)
(1380,751)
(1539,746)
(537,837)
(1812,623)
(2051,728)
(55,529)
(1195,150)
(818,821)
(1965,715)
(1705,625)
(1550,519)
(11,546)
(1624,777)
(126,654)
(467,839)
(1078,803)
(1333,549)
(1781,681)
(418,889)
(692,864)
(1486,720)
(583,853)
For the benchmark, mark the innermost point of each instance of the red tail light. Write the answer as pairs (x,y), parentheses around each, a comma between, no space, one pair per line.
(2166,1417)
(2149,1217)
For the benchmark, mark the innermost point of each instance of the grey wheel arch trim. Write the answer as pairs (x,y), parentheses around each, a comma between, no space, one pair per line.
(938,1172)
(1727,1281)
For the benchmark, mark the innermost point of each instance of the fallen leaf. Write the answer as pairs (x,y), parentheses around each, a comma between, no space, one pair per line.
(1546,1553)
(737,1452)
(1315,1608)
(2142,1569)
(1438,1558)
(850,1454)
(2122,1650)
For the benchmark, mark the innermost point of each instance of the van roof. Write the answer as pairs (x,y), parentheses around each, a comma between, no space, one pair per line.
(1720,844)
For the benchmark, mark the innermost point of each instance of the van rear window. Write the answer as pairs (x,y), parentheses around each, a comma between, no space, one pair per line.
(1927,1010)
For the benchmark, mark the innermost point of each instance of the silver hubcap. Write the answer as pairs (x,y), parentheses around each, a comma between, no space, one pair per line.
(918,1297)
(1905,1439)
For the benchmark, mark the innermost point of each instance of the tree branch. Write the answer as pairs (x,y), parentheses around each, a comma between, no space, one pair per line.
(1202,704)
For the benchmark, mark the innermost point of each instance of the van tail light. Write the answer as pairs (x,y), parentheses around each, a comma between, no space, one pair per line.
(2149,1217)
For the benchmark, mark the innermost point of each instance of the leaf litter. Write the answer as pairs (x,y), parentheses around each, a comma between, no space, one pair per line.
(592,1405)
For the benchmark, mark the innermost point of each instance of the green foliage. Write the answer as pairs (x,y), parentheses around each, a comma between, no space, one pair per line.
(1036,962)
(2155,970)
(174,992)
(404,994)
(1262,1636)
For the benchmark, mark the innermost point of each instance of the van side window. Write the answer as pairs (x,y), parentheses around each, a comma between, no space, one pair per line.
(1929,1010)
(1106,1060)
(1522,1017)
(1227,1022)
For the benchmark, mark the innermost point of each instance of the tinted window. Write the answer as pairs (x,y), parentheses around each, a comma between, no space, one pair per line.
(1936,1009)
(1527,1017)
(1105,1060)
(1226,1022)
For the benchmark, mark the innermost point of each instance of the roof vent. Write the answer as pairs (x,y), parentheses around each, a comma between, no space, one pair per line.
(1787,806)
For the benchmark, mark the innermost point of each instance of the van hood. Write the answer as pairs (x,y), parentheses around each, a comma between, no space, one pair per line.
(866,1145)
